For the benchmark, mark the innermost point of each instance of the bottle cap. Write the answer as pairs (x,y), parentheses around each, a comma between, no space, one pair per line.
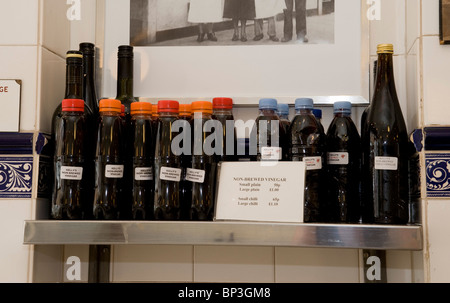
(202,107)
(141,108)
(154,110)
(385,49)
(110,105)
(73,105)
(223,103)
(342,107)
(304,103)
(283,109)
(87,48)
(122,110)
(168,106)
(185,110)
(317,113)
(125,51)
(268,103)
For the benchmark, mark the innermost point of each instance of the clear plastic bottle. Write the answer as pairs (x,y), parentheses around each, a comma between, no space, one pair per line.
(307,143)
(318,114)
(344,166)
(69,192)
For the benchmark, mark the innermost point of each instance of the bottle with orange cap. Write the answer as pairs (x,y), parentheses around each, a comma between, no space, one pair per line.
(167,164)
(186,160)
(69,189)
(109,163)
(143,150)
(223,112)
(203,169)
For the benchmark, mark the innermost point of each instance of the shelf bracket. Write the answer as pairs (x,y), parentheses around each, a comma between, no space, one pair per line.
(374,266)
(99,263)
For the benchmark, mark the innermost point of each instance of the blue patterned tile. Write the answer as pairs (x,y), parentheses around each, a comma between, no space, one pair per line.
(16,177)
(437,168)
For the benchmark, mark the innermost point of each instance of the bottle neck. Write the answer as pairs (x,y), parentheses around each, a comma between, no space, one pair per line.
(141,116)
(284,116)
(385,72)
(223,111)
(202,115)
(167,114)
(74,81)
(304,111)
(72,113)
(267,112)
(342,114)
(125,79)
(109,114)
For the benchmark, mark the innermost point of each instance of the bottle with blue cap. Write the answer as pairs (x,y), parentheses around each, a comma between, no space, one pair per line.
(270,135)
(318,114)
(344,166)
(307,143)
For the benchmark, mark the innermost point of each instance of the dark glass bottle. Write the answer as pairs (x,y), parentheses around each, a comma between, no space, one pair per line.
(203,170)
(89,90)
(344,166)
(270,133)
(385,150)
(109,164)
(186,162)
(223,112)
(143,155)
(366,111)
(307,143)
(168,167)
(68,196)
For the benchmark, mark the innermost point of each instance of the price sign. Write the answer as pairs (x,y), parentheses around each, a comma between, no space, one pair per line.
(261,191)
(10,104)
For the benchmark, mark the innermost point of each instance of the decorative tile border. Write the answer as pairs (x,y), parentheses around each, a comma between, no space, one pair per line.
(437,169)
(16,177)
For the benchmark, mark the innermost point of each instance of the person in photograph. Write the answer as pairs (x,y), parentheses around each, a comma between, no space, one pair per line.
(267,9)
(239,11)
(300,21)
(205,13)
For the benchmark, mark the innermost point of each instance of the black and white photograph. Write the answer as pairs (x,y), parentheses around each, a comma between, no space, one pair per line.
(231,22)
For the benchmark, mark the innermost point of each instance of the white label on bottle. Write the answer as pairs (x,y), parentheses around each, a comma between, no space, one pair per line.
(143,173)
(338,158)
(195,175)
(386,163)
(271,153)
(71,173)
(170,174)
(313,163)
(114,171)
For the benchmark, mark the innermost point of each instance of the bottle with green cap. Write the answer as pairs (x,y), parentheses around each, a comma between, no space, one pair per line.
(385,150)
(344,166)
(307,143)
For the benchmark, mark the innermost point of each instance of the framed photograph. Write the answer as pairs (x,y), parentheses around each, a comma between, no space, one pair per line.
(244,49)
(444,21)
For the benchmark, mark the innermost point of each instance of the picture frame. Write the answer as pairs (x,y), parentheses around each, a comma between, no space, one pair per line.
(326,73)
(444,22)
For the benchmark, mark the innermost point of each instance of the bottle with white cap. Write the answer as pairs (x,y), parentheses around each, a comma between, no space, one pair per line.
(307,143)
(344,166)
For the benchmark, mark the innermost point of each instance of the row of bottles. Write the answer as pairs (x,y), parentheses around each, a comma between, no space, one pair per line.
(124,151)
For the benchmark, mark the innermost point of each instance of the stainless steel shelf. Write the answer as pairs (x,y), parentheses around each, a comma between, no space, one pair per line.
(223,233)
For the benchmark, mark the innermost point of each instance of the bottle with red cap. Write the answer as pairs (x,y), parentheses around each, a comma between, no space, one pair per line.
(109,163)
(69,192)
(168,167)
(142,188)
(223,112)
(203,170)
(186,161)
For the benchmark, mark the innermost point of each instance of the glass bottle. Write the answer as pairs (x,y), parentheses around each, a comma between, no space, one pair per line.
(68,196)
(143,155)
(168,167)
(186,162)
(89,90)
(344,166)
(385,150)
(270,133)
(307,143)
(223,112)
(109,162)
(203,170)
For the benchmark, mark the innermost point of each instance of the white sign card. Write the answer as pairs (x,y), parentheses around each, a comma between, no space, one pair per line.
(261,191)
(10,104)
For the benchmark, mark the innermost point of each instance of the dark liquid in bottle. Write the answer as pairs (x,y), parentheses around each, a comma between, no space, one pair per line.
(272,137)
(307,143)
(168,171)
(69,193)
(344,146)
(143,180)
(186,162)
(108,168)
(226,155)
